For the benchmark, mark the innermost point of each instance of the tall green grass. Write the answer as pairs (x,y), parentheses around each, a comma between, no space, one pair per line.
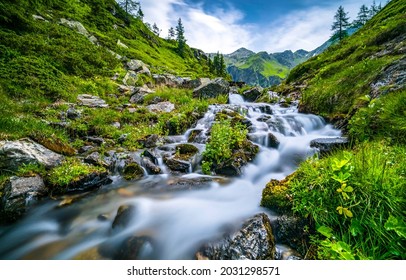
(357,200)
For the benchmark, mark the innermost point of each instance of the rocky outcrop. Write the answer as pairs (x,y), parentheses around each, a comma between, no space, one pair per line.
(253,94)
(161,107)
(89,182)
(19,193)
(139,94)
(138,66)
(91,101)
(212,89)
(78,27)
(14,154)
(392,78)
(254,241)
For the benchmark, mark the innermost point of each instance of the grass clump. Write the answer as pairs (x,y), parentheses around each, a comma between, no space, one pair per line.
(356,200)
(71,171)
(225,138)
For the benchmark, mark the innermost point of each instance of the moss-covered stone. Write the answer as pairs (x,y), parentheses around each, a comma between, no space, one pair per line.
(275,196)
(133,171)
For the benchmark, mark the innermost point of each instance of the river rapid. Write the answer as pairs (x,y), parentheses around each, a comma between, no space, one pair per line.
(176,223)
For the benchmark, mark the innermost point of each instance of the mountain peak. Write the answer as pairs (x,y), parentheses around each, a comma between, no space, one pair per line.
(241,52)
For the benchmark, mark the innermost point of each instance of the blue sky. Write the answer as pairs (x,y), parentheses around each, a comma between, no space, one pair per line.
(259,25)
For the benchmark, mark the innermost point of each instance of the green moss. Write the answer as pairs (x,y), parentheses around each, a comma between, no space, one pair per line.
(133,171)
(70,171)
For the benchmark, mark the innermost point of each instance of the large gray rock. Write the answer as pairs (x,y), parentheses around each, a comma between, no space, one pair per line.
(91,101)
(131,78)
(212,89)
(254,241)
(139,94)
(19,194)
(14,154)
(161,107)
(138,66)
(78,27)
(253,94)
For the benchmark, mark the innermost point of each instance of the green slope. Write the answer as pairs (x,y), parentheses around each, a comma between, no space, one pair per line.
(354,198)
(45,65)
(359,70)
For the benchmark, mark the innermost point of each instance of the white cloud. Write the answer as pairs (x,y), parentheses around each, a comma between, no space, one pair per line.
(223,30)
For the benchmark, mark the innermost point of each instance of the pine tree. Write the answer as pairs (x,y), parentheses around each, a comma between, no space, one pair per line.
(180,38)
(340,24)
(374,9)
(362,17)
(156,29)
(171,33)
(140,13)
(130,7)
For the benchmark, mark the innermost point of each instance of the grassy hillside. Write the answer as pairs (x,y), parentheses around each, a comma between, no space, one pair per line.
(353,74)
(354,199)
(267,67)
(45,65)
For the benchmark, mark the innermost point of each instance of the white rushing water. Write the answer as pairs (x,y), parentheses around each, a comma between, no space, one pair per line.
(176,222)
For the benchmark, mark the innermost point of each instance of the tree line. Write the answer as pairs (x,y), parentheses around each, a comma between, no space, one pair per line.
(342,22)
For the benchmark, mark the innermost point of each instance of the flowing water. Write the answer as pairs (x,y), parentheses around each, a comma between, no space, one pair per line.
(176,222)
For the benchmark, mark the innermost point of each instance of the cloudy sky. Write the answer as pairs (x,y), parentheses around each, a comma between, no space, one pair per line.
(259,25)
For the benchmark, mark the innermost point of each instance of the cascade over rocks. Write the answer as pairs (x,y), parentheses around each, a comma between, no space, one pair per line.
(253,241)
(14,154)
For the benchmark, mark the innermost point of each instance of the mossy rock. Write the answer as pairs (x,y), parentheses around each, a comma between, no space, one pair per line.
(185,151)
(54,144)
(275,196)
(133,171)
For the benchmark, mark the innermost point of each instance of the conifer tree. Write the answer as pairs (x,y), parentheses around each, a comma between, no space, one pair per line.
(171,33)
(362,17)
(130,7)
(180,38)
(156,29)
(340,24)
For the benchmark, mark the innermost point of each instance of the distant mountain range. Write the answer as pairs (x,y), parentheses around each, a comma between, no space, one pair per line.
(268,69)
(262,68)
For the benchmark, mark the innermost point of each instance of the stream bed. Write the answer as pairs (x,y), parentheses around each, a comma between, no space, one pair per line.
(174,222)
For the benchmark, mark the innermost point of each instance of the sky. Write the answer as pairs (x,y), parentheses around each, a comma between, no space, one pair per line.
(258,25)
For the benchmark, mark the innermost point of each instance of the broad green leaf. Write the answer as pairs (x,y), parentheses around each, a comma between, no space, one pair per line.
(325,231)
(397,225)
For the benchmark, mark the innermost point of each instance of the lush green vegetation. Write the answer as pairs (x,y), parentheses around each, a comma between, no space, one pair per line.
(265,66)
(225,138)
(70,171)
(355,198)
(44,64)
(337,80)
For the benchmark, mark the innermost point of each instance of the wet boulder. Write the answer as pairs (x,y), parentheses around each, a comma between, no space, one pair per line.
(253,94)
(14,154)
(326,145)
(85,183)
(253,241)
(133,171)
(124,216)
(135,248)
(177,165)
(212,89)
(18,195)
(240,158)
(96,160)
(150,166)
(273,142)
